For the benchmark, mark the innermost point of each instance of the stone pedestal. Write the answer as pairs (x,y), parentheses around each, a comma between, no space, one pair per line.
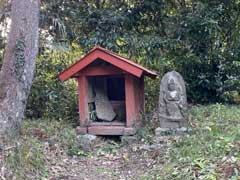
(170,131)
(86,142)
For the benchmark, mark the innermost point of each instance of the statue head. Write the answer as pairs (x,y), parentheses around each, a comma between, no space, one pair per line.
(172,86)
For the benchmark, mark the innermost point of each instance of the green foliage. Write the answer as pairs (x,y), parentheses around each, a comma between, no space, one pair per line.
(4,15)
(56,133)
(231,96)
(151,92)
(28,156)
(49,128)
(211,152)
(145,134)
(92,112)
(109,148)
(49,97)
(27,160)
(197,38)
(68,141)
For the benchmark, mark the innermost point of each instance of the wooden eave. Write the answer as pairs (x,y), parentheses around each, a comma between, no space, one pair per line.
(110,57)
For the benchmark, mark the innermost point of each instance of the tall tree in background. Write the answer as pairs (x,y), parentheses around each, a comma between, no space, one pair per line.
(18,64)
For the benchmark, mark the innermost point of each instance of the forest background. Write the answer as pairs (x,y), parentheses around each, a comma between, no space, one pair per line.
(199,39)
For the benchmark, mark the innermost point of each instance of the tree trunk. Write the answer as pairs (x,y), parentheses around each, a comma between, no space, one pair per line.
(18,65)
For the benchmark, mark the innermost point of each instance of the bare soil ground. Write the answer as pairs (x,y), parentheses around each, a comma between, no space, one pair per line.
(107,161)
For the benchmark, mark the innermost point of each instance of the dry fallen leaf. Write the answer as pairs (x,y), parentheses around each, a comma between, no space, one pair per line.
(125,156)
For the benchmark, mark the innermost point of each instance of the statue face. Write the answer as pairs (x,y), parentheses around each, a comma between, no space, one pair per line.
(172,85)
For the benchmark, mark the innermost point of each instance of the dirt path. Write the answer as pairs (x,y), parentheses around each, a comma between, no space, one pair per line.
(106,162)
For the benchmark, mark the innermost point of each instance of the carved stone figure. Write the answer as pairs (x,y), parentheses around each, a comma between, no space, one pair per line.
(104,109)
(172,101)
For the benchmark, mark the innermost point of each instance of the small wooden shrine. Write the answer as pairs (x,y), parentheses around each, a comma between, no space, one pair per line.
(111,92)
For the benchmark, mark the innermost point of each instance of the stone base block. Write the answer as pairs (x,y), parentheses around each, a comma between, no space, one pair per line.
(86,142)
(171,131)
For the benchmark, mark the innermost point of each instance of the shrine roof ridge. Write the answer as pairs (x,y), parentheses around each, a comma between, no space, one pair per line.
(110,57)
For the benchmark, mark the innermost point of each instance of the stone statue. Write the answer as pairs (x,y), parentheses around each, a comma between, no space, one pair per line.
(104,109)
(172,101)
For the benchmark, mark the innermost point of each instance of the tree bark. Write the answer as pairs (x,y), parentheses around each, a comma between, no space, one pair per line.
(18,65)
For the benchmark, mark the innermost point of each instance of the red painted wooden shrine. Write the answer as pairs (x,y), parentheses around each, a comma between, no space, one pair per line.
(125,74)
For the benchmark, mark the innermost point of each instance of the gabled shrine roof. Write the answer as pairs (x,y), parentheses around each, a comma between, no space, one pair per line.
(110,57)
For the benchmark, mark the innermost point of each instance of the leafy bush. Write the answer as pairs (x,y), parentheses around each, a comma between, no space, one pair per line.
(197,38)
(68,140)
(49,97)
